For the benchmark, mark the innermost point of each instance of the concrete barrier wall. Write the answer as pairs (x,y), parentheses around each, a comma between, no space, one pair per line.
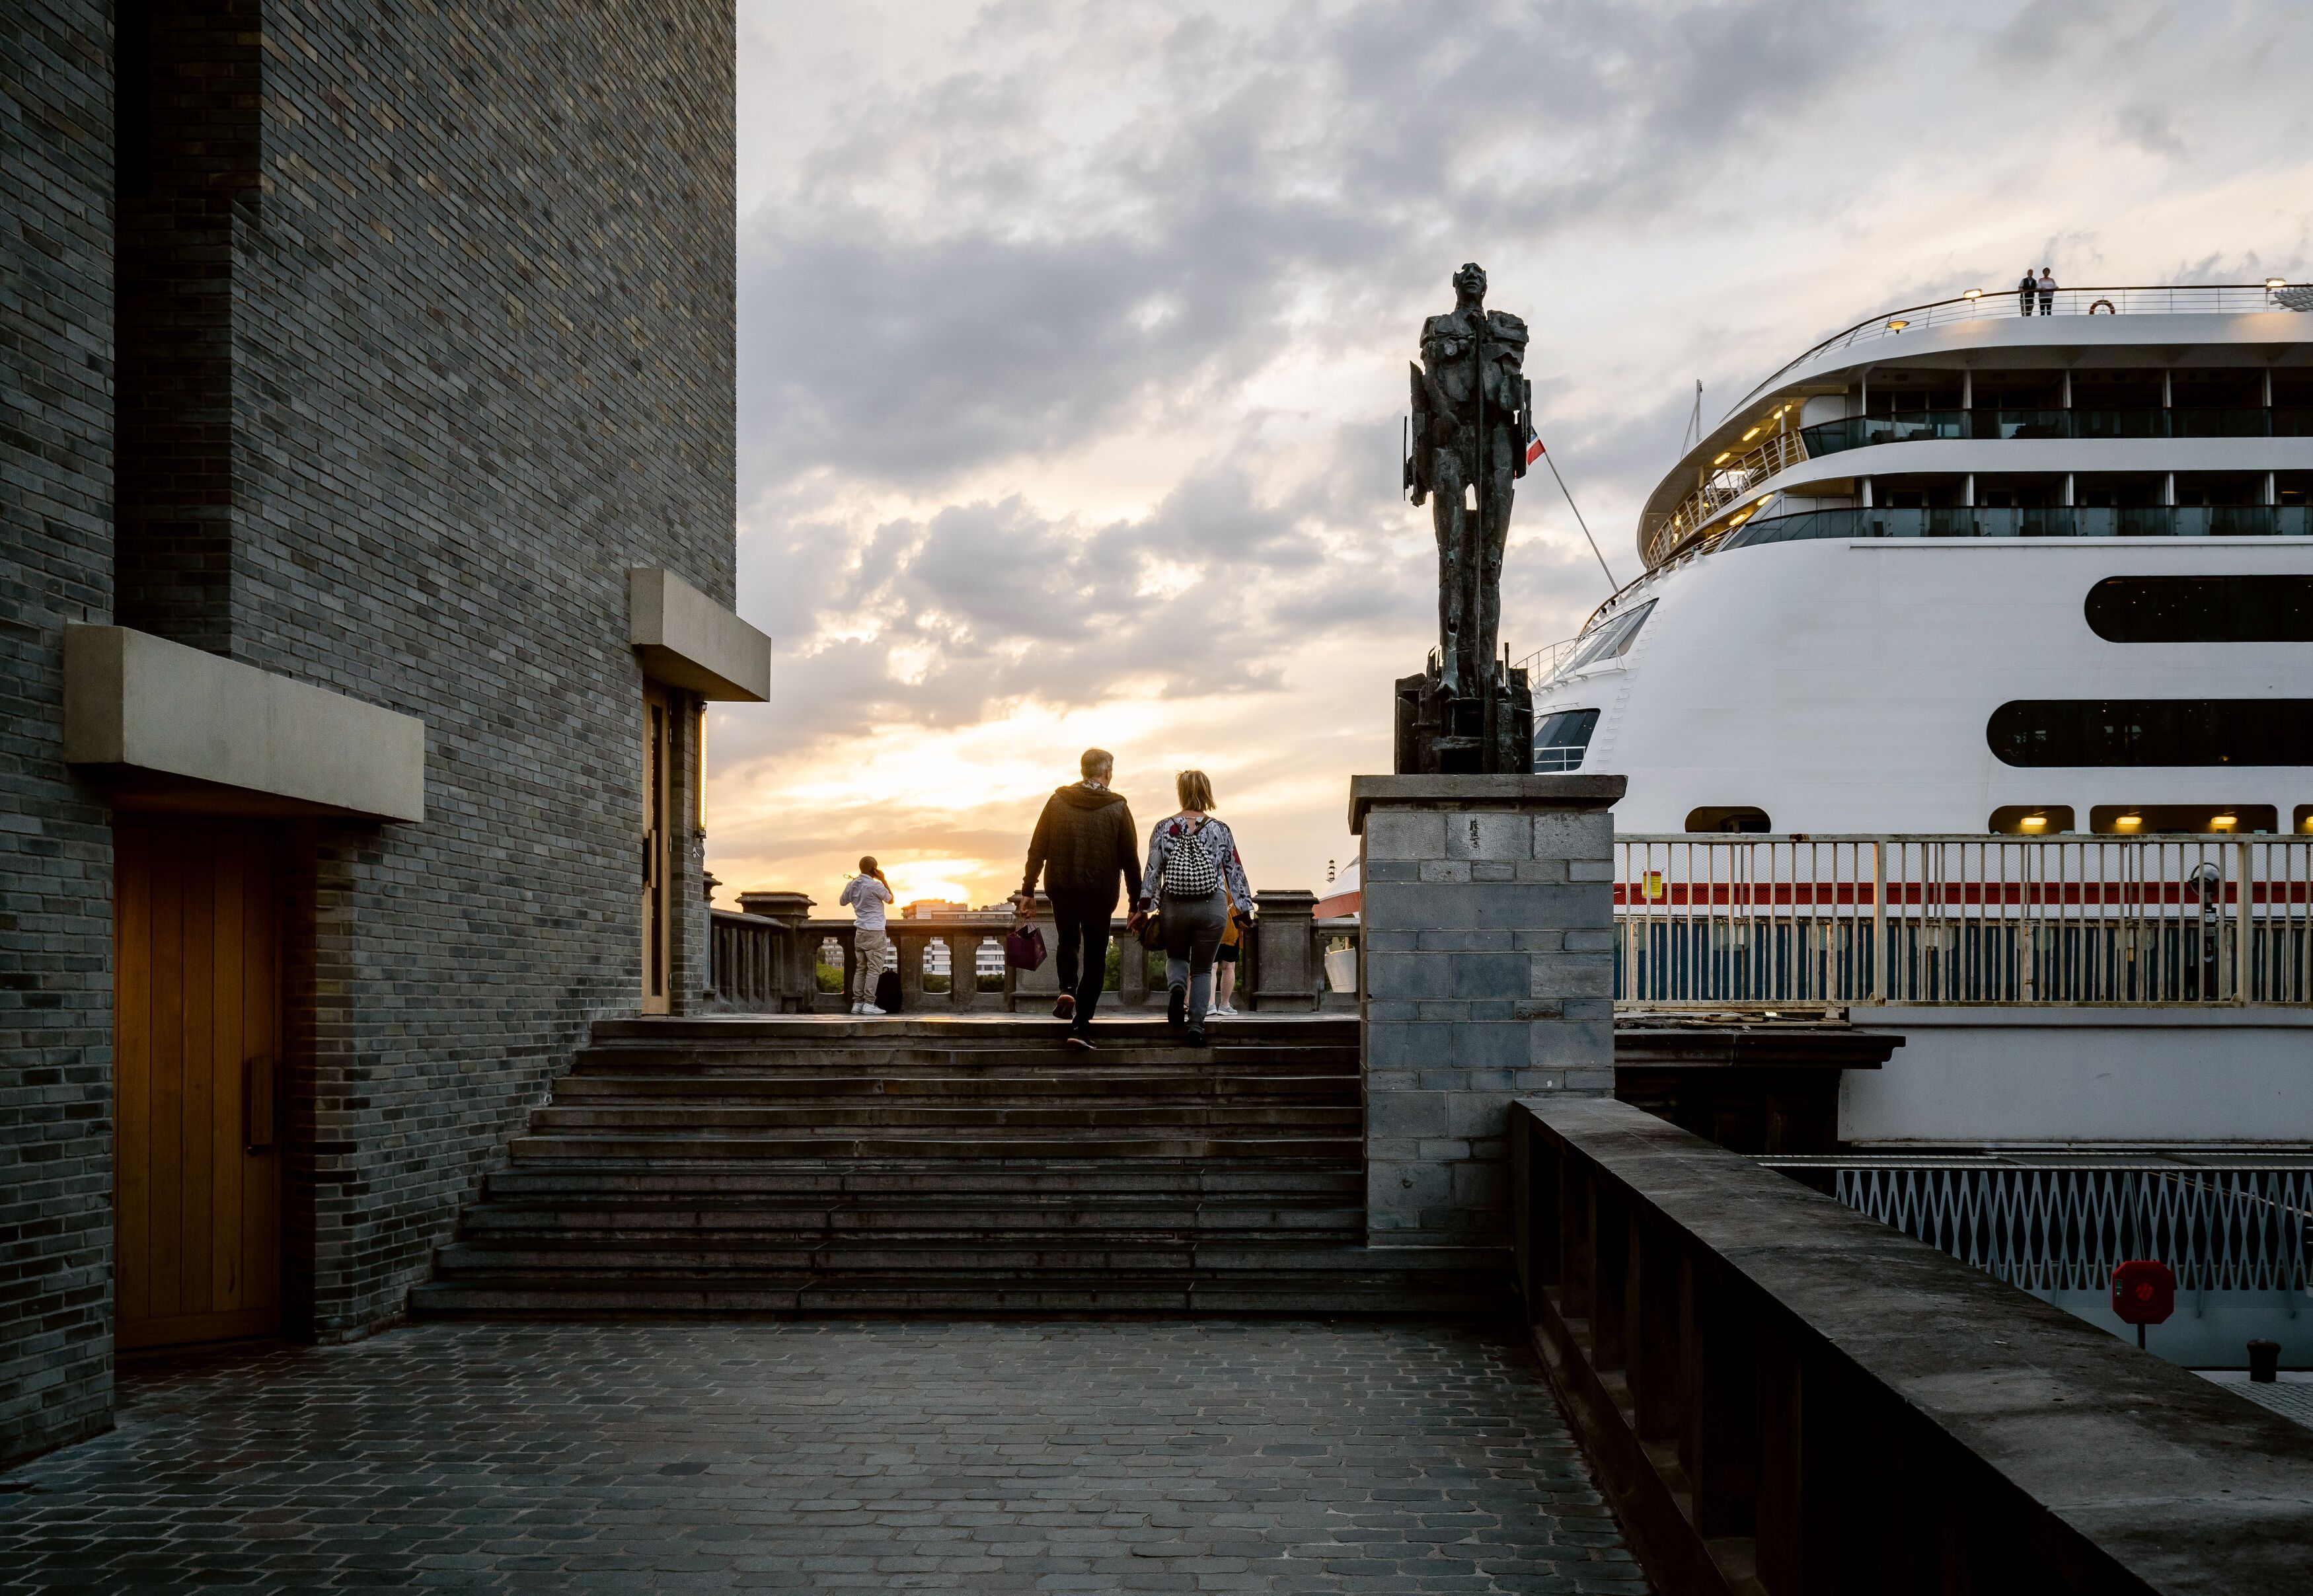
(2191,1073)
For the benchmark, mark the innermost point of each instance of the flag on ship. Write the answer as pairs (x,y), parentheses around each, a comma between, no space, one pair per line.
(1533,450)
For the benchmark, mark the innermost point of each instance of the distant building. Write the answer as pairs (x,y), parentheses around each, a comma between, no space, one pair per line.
(369,498)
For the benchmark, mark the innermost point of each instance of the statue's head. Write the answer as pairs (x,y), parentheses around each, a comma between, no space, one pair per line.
(1470,280)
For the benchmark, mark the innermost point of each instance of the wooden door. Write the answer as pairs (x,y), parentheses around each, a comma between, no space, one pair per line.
(196,1075)
(659,814)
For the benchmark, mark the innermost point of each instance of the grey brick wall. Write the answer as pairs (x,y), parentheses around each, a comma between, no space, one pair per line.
(1488,918)
(429,338)
(56,841)
(483,362)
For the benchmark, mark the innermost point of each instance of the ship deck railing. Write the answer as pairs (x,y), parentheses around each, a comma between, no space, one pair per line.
(1738,922)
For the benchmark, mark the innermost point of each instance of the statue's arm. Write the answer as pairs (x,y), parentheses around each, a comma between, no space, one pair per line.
(1417,458)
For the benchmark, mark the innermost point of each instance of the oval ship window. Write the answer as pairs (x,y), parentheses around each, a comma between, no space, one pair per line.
(2276,609)
(1737,817)
(1561,740)
(2031,820)
(2041,734)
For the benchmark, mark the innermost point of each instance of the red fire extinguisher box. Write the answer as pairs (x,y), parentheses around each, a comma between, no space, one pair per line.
(2143,1291)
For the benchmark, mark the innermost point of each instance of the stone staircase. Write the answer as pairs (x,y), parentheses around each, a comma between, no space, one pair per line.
(944,1165)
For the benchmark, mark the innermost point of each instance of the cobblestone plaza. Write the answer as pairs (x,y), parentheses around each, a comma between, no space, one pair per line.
(1066,1455)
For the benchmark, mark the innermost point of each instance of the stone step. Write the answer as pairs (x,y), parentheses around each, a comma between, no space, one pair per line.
(1166,1085)
(838,1030)
(1446,1294)
(929,1180)
(968,1143)
(626,1222)
(1046,1053)
(1311,1119)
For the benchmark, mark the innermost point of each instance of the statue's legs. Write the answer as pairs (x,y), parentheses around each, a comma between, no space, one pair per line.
(1485,603)
(1451,521)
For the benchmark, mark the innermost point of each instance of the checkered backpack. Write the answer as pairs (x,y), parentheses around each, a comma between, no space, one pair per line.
(1191,871)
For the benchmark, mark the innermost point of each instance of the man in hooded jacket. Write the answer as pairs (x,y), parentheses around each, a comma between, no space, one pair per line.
(1086,848)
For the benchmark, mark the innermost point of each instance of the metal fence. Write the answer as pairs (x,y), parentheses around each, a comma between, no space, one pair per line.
(1721,922)
(2062,1227)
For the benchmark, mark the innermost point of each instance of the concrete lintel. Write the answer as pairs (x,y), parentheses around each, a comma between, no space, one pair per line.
(184,728)
(1482,792)
(687,641)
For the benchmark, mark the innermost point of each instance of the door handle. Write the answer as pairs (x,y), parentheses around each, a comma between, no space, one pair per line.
(261,1102)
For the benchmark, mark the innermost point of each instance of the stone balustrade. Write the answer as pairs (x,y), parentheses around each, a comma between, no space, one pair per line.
(766,958)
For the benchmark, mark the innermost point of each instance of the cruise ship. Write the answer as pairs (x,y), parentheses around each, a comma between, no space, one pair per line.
(1961,568)
(1984,626)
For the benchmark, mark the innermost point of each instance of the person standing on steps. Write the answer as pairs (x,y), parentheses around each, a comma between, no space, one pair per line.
(866,894)
(1227,955)
(1190,856)
(1082,846)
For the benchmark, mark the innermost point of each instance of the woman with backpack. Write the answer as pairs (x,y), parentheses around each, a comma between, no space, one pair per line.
(1190,856)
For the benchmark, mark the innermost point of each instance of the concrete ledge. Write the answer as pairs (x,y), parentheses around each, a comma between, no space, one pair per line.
(687,641)
(173,727)
(1781,1394)
(1482,792)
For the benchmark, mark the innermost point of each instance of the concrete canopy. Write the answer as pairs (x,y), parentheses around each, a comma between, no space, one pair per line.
(181,728)
(687,641)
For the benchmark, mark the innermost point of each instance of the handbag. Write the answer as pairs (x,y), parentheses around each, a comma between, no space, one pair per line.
(1023,949)
(1152,931)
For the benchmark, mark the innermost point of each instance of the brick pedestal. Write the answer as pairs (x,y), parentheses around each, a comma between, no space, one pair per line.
(1489,972)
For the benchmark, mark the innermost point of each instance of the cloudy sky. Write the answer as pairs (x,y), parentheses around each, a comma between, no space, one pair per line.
(1072,343)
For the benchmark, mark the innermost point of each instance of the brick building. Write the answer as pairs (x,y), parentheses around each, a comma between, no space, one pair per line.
(367,464)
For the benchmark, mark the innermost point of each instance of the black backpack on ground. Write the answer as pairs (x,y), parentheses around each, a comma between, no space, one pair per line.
(887,992)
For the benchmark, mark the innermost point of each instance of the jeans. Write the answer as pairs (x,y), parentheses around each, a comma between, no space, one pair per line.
(1081,924)
(1192,931)
(2047,304)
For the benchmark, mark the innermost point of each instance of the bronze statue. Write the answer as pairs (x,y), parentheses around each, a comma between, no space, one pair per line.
(1467,439)
(1470,405)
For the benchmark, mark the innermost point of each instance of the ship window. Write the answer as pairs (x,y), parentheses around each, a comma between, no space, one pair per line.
(1560,739)
(2032,820)
(2040,733)
(2302,821)
(2130,820)
(2276,609)
(1613,639)
(1735,817)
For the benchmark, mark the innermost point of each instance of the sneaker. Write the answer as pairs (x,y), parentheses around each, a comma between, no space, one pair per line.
(1176,1008)
(1079,1042)
(857,1006)
(1196,1038)
(1222,1009)
(1066,1009)
(869,1009)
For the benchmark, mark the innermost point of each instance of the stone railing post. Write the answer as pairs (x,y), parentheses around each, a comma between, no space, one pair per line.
(1488,973)
(1131,970)
(1026,989)
(1284,953)
(964,969)
(793,985)
(907,948)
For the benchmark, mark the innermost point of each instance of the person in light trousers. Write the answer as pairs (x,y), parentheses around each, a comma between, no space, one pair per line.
(1190,856)
(865,894)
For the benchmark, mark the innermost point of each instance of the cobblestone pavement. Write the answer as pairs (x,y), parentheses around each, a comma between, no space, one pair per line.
(1078,1456)
(2291,1395)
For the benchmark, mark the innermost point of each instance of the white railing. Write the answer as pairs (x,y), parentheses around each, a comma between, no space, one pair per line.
(1543,663)
(1725,480)
(1996,303)
(1739,923)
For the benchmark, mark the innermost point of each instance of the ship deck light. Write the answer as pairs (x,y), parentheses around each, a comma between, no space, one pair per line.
(2276,282)
(1973,294)
(1896,324)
